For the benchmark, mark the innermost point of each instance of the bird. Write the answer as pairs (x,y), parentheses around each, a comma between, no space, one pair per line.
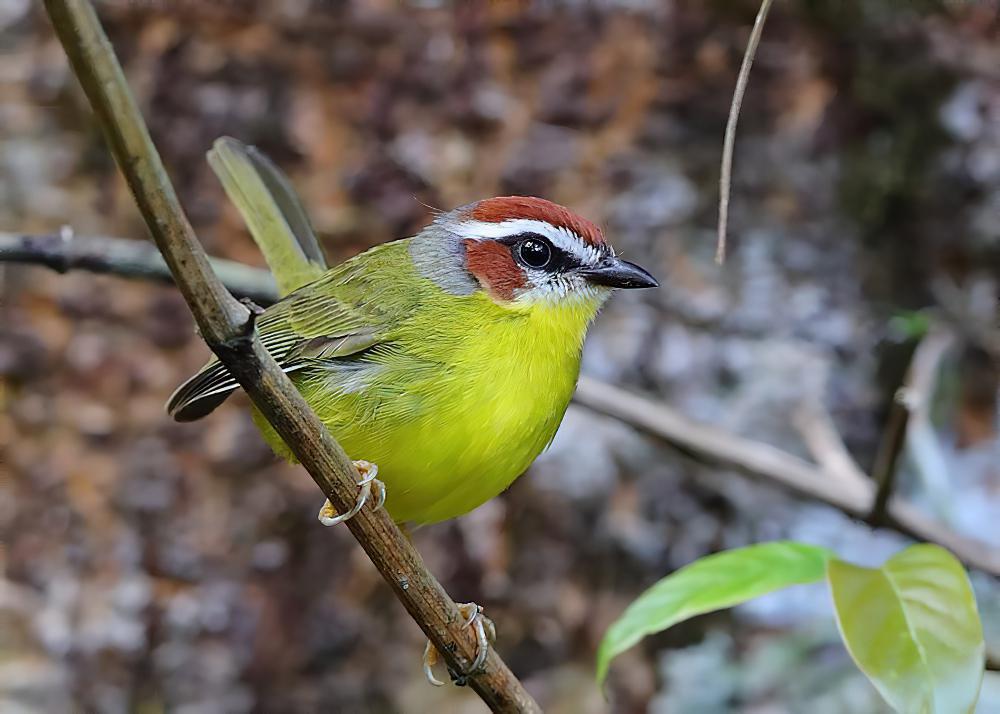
(447,359)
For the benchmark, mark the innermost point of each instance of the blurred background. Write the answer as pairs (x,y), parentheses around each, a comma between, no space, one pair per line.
(151,566)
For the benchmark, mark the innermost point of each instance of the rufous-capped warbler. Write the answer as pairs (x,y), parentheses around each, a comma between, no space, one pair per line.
(447,359)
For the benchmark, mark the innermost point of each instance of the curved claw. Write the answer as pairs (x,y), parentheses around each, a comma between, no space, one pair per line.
(478,620)
(430,659)
(328,516)
(485,634)
(379,494)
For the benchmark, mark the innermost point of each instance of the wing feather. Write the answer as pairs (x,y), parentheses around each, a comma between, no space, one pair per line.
(326,321)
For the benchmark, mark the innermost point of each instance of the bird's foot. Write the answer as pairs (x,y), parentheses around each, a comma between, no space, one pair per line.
(486,634)
(368,471)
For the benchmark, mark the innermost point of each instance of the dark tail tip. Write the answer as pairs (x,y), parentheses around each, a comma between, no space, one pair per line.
(197,407)
(201,394)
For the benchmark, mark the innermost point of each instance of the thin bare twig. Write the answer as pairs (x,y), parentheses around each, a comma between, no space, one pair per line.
(715,445)
(885,468)
(64,251)
(909,425)
(726,170)
(922,444)
(825,444)
(712,444)
(227,327)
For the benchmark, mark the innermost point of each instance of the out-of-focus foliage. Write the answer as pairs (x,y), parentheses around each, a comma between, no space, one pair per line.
(913,628)
(911,625)
(712,583)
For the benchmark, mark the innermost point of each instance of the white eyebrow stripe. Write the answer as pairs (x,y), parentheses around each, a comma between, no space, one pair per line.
(561,238)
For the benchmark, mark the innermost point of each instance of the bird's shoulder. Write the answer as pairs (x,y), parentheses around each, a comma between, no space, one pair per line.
(351,307)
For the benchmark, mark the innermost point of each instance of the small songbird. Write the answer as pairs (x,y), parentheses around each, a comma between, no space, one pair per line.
(447,359)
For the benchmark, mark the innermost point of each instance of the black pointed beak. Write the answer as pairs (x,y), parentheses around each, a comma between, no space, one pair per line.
(617,273)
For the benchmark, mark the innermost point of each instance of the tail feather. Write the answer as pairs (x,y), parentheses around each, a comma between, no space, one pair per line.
(279,224)
(202,393)
(271,210)
(289,205)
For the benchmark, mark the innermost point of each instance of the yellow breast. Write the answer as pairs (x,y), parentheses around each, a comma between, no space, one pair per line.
(452,423)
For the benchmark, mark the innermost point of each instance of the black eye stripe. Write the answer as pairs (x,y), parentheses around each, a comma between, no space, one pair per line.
(559,259)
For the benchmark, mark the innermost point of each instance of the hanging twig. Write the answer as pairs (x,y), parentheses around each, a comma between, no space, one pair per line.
(227,326)
(726,170)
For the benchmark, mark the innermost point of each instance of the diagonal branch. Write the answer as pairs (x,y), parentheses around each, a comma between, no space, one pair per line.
(227,326)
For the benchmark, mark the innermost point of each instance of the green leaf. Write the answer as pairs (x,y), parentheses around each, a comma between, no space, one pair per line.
(913,629)
(712,583)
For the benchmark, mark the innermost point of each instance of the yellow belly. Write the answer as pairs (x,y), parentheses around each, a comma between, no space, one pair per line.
(457,430)
(461,454)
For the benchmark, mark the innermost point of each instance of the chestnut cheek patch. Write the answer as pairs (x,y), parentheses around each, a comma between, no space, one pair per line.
(493,266)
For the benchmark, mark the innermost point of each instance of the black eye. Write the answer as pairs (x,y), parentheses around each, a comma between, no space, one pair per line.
(534,252)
